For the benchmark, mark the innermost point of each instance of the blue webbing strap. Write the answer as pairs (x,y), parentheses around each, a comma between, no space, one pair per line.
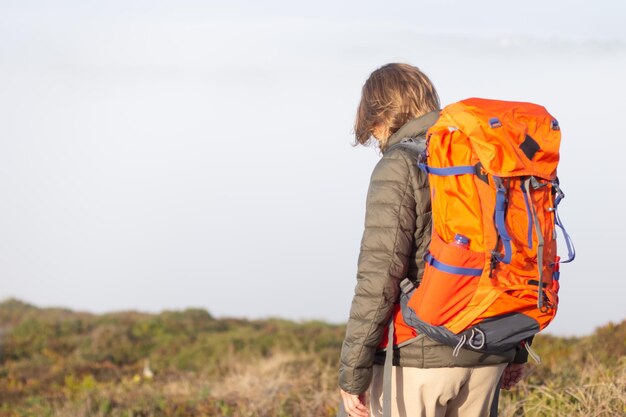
(571,251)
(499,215)
(445,172)
(530,217)
(474,272)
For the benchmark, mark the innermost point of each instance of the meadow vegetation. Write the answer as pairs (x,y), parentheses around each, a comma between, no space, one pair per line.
(56,362)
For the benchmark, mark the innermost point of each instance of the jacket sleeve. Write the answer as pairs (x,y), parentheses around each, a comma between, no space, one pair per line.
(386,247)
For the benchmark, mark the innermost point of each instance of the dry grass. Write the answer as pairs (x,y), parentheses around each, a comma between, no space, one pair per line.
(598,391)
(285,384)
(55,363)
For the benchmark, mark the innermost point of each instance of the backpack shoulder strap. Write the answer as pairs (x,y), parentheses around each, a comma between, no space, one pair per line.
(417,144)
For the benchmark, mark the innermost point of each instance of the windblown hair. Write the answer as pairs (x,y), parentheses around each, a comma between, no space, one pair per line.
(391,96)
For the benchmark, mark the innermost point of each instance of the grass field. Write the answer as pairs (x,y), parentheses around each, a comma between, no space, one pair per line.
(55,362)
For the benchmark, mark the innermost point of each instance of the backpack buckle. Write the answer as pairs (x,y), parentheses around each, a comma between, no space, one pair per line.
(495,258)
(536,184)
(406,286)
(557,190)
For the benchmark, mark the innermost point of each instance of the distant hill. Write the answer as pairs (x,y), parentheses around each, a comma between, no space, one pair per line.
(56,362)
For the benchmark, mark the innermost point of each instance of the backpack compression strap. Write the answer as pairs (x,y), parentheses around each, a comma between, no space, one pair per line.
(540,245)
(499,217)
(448,171)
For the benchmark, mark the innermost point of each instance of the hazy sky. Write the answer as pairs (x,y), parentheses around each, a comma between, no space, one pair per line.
(161,155)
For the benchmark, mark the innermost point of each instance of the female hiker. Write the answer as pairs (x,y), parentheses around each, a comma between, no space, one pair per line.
(398,105)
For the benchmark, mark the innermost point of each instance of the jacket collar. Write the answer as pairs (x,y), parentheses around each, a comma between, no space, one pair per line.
(413,128)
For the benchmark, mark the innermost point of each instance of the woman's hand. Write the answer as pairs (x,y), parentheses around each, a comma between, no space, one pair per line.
(513,373)
(354,404)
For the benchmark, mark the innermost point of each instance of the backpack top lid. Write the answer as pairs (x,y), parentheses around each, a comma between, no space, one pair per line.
(509,138)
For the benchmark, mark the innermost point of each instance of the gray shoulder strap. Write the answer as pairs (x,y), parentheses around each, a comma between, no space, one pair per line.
(387,372)
(418,143)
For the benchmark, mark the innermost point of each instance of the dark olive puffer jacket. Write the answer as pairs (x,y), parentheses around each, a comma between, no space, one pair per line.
(397,234)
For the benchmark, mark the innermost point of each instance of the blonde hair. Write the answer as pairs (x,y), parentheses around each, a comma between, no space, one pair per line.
(391,96)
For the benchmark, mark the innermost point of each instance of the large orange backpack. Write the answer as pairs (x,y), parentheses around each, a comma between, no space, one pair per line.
(492,272)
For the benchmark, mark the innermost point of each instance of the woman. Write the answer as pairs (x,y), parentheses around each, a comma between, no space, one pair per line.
(398,105)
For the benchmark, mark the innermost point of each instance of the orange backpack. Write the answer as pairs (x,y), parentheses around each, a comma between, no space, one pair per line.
(492,272)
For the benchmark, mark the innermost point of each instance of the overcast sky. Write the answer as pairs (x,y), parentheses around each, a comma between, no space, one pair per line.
(162,155)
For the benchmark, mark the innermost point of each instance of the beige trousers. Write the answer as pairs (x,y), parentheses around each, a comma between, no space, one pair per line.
(437,392)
